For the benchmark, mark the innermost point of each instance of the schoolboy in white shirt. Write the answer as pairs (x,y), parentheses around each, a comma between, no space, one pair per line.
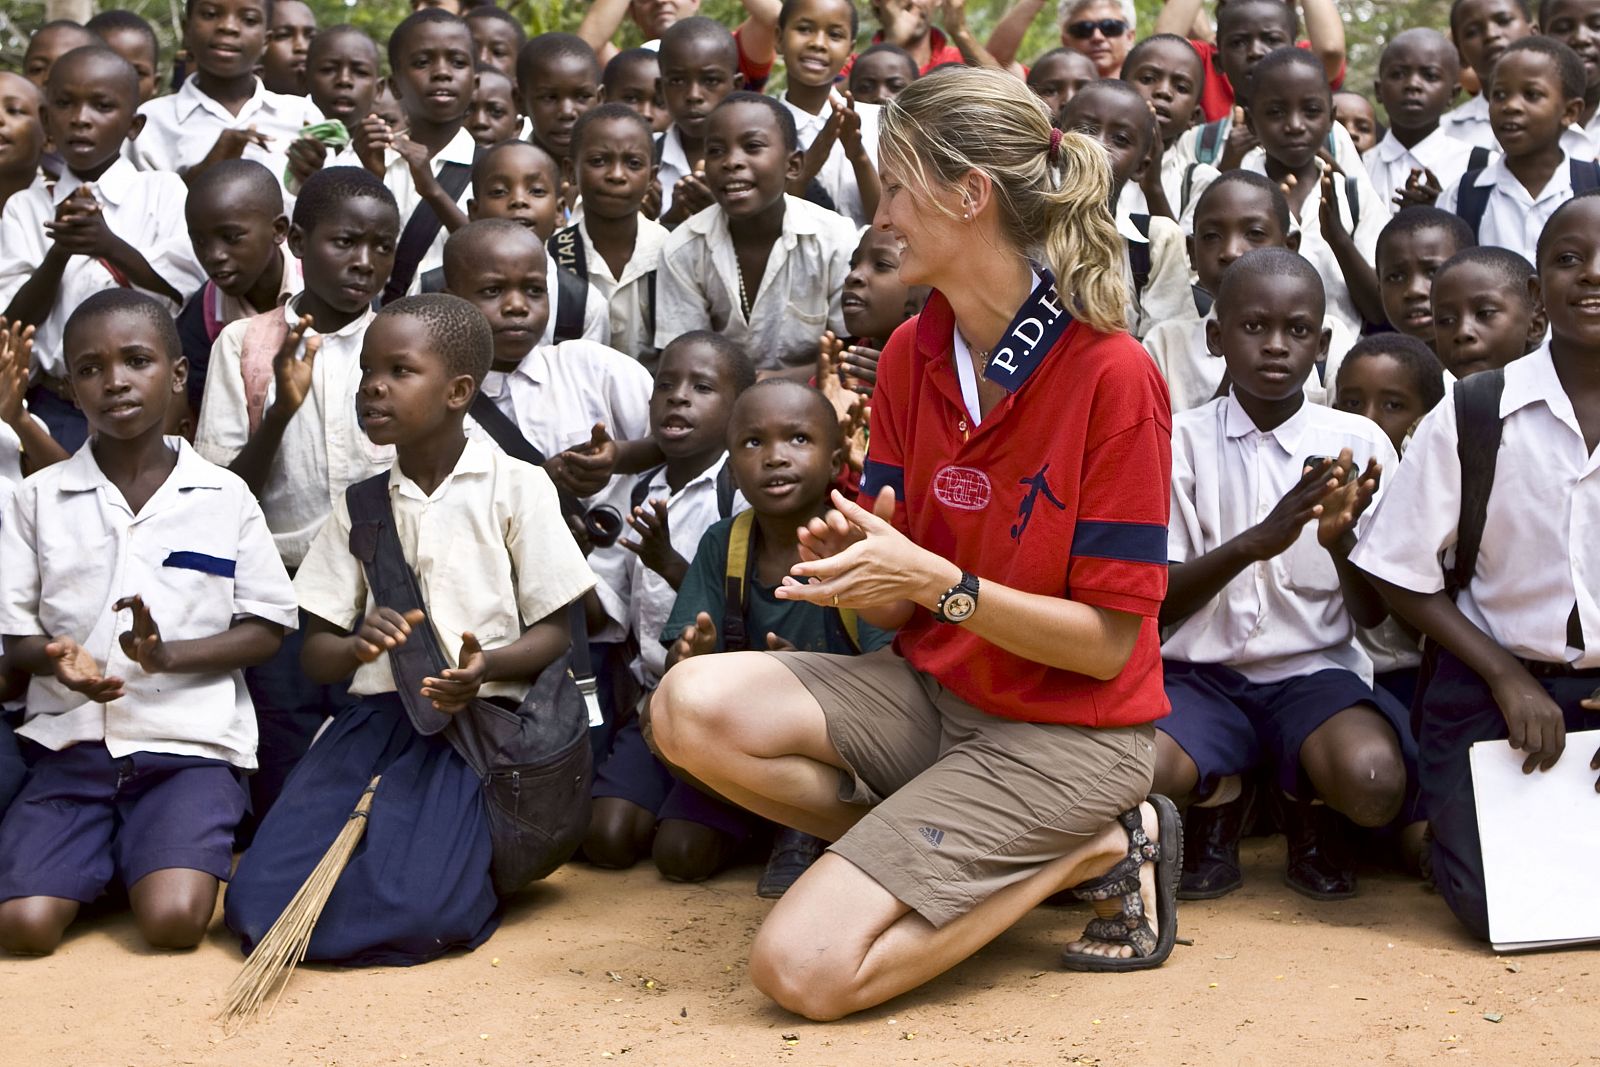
(1417,76)
(136,580)
(102,225)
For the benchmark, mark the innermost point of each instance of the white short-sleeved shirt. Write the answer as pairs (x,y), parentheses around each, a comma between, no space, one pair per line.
(1286,616)
(323,450)
(1513,218)
(1181,184)
(673,166)
(1166,294)
(1193,373)
(690,513)
(145,210)
(490,550)
(697,286)
(180,130)
(397,177)
(596,318)
(627,297)
(1469,122)
(1184,149)
(1390,163)
(198,553)
(1541,542)
(838,176)
(558,392)
(1373,216)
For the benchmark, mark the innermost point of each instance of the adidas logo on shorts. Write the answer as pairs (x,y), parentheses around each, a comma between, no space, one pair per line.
(932,836)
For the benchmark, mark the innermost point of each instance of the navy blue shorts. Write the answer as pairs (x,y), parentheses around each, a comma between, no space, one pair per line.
(633,773)
(84,819)
(1228,724)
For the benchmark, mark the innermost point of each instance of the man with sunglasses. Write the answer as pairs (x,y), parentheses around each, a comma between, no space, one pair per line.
(1100,29)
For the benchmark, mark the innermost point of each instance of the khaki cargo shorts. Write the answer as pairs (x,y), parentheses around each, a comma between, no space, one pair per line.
(963,803)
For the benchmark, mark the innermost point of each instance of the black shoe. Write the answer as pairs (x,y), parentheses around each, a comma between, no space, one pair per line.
(792,853)
(1319,864)
(1211,848)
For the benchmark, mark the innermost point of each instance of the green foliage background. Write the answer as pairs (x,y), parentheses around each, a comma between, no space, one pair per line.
(1368,23)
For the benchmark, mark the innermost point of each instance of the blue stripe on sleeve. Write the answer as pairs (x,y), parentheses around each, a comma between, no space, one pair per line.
(1127,542)
(875,475)
(199,561)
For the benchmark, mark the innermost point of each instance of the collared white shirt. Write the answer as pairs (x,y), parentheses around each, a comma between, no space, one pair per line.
(838,176)
(674,165)
(596,319)
(490,550)
(1184,149)
(627,297)
(697,287)
(1283,617)
(690,512)
(1193,373)
(198,553)
(1166,294)
(1390,163)
(1374,215)
(324,449)
(558,392)
(397,177)
(1469,122)
(181,129)
(145,210)
(1182,181)
(1540,552)
(1513,218)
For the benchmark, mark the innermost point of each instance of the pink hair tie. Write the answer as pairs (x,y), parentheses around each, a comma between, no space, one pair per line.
(1055,146)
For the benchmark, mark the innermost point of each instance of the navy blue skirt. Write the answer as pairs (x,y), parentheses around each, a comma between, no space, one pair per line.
(418,884)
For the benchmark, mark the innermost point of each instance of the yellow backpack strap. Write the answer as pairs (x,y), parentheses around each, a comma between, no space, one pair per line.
(740,536)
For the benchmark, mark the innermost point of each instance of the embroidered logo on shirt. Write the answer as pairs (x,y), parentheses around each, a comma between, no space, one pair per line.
(932,836)
(1036,485)
(963,488)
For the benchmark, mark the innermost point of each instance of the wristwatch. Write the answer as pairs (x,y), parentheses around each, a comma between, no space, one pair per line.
(959,601)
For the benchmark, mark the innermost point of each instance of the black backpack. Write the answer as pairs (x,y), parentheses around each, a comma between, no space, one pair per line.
(534,761)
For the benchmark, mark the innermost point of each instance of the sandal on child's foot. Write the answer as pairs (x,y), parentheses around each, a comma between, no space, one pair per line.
(1131,927)
(793,853)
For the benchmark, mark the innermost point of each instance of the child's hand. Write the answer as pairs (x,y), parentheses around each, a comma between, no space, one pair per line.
(143,643)
(697,640)
(1328,210)
(79,228)
(654,547)
(1592,703)
(231,144)
(831,534)
(848,130)
(1534,721)
(779,644)
(415,153)
(1150,177)
(691,194)
(1281,528)
(855,428)
(384,629)
(1241,141)
(588,468)
(457,687)
(306,155)
(16,358)
(861,368)
(371,137)
(1342,507)
(650,207)
(580,534)
(77,670)
(293,373)
(830,379)
(1421,189)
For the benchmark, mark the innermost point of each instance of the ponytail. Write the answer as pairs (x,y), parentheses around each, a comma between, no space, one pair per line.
(1081,244)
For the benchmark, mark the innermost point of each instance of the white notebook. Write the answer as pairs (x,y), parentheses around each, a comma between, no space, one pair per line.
(1541,844)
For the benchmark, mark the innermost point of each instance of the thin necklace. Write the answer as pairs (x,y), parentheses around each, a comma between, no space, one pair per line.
(981,353)
(744,301)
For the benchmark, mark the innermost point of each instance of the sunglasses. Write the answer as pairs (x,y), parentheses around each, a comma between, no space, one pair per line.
(1107,27)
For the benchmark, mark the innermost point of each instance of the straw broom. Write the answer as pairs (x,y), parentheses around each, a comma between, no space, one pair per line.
(285,945)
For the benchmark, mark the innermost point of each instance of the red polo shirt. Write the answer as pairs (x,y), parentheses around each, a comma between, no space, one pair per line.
(942,52)
(1063,490)
(1216,99)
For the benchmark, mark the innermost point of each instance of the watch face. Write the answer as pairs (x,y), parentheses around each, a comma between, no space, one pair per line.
(959,606)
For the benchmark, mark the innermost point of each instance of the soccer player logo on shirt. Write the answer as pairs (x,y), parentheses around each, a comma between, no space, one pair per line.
(1036,485)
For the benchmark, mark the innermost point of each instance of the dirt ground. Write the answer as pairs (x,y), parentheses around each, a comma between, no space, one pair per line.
(598,968)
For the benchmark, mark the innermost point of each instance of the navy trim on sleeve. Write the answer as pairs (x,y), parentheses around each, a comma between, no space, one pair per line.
(199,561)
(1126,542)
(875,475)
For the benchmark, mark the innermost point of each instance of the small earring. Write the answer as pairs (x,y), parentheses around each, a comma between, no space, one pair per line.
(965,217)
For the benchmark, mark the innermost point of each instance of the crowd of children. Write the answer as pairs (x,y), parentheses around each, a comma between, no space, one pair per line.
(607,321)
